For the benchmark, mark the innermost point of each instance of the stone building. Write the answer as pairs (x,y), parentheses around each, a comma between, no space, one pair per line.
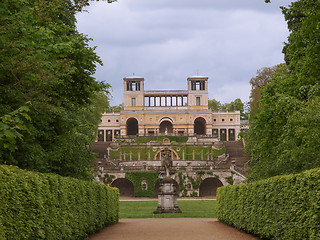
(168,112)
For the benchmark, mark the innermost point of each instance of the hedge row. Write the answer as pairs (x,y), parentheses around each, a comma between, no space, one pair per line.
(48,206)
(282,207)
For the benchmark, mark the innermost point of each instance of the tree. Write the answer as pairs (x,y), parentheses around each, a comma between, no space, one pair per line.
(214,105)
(283,135)
(46,62)
(236,105)
(263,77)
(116,108)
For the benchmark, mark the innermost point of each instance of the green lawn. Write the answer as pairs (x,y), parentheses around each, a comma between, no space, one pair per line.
(189,208)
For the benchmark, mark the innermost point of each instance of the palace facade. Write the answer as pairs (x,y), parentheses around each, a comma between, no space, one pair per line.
(168,112)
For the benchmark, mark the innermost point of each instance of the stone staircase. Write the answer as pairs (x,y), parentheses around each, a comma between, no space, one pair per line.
(235,149)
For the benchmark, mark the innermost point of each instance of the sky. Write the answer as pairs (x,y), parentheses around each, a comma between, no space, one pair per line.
(166,41)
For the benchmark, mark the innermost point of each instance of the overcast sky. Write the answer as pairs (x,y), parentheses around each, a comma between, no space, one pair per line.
(166,41)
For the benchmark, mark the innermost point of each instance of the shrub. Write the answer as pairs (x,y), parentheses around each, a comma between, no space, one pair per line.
(48,206)
(282,207)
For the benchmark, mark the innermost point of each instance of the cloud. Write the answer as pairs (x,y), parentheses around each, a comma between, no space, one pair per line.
(167,41)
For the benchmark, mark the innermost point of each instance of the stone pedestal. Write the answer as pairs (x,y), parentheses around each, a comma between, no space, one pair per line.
(167,197)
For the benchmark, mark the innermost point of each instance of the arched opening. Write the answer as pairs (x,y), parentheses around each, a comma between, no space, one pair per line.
(209,186)
(174,155)
(132,126)
(125,186)
(157,185)
(200,126)
(166,127)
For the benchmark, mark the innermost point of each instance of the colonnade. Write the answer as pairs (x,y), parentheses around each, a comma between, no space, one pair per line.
(165,101)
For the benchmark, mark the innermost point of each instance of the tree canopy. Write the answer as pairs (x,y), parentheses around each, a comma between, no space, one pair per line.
(236,105)
(284,133)
(49,98)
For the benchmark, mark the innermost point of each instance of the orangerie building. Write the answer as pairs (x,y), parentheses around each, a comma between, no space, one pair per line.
(168,112)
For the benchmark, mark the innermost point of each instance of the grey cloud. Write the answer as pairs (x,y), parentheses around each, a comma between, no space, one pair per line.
(258,5)
(165,42)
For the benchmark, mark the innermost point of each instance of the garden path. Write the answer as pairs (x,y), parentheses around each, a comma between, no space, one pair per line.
(171,228)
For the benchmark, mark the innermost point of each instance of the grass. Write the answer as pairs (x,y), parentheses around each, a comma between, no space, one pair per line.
(189,208)
(188,150)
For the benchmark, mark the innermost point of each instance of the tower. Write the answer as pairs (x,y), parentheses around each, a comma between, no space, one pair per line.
(198,92)
(133,93)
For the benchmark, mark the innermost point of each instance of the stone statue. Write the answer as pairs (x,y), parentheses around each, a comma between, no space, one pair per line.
(166,161)
(167,194)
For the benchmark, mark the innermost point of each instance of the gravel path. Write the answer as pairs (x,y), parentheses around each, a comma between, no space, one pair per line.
(171,228)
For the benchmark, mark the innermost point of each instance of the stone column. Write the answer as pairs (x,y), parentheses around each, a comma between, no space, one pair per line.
(193,155)
(124,156)
(139,156)
(149,155)
(201,154)
(130,156)
(208,156)
(182,154)
(120,156)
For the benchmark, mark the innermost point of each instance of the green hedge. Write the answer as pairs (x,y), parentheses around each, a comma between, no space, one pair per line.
(136,178)
(282,207)
(47,206)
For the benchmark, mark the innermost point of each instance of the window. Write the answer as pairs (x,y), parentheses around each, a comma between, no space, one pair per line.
(151,102)
(174,101)
(116,133)
(109,120)
(133,86)
(158,101)
(109,135)
(197,85)
(117,120)
(146,101)
(163,101)
(185,100)
(168,101)
(214,119)
(215,132)
(197,101)
(231,119)
(133,102)
(222,119)
(101,135)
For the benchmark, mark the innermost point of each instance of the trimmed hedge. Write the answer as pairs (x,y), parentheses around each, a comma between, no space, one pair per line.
(282,207)
(48,206)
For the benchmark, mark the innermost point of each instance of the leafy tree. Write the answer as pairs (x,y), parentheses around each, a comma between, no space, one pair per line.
(214,105)
(236,105)
(283,135)
(116,108)
(45,61)
(263,77)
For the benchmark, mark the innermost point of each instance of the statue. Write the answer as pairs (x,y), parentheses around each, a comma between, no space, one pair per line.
(167,194)
(166,161)
(166,132)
